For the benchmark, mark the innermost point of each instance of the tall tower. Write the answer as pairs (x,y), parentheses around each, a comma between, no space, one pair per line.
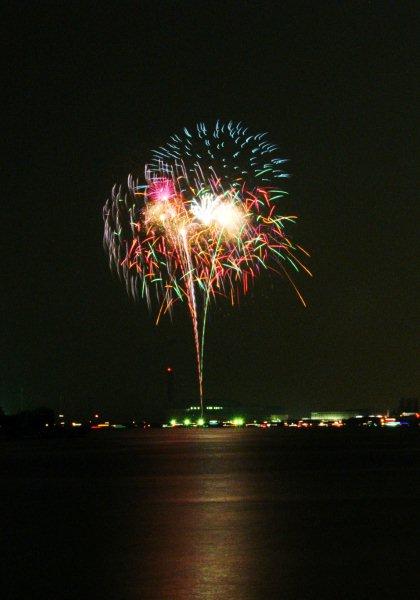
(169,387)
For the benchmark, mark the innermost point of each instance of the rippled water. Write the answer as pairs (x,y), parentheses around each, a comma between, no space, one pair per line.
(211,515)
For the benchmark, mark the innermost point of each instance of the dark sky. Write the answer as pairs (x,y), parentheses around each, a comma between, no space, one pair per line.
(92,90)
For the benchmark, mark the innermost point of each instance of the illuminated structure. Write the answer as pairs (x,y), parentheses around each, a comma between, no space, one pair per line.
(337,415)
(218,412)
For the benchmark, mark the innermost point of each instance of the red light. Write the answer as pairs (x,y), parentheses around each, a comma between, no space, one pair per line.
(169,369)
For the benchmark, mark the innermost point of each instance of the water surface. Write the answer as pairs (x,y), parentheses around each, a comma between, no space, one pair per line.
(211,515)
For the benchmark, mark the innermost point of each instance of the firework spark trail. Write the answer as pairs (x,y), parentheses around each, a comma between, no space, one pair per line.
(205,223)
(193,312)
(206,304)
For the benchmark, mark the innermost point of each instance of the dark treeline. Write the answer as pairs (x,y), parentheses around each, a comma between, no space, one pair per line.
(40,421)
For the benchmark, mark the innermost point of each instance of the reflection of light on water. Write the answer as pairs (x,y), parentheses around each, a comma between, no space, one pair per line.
(202,544)
(220,561)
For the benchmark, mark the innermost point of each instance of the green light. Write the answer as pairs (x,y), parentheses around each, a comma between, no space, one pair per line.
(173,422)
(187,422)
(238,421)
(200,422)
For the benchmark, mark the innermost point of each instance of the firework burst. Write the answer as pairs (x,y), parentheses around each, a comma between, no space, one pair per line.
(204,223)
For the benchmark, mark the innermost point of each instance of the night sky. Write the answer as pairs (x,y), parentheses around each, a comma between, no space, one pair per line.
(92,90)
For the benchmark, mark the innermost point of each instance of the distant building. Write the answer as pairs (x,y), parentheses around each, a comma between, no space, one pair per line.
(337,415)
(193,412)
(221,412)
(278,417)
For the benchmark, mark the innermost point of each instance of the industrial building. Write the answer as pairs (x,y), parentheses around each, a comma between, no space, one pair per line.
(337,415)
(216,411)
